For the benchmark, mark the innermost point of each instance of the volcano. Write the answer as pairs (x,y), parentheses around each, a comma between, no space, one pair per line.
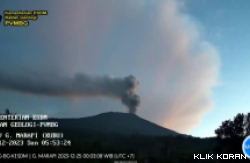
(116,123)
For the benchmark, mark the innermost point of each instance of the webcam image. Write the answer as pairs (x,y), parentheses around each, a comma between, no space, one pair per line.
(124,81)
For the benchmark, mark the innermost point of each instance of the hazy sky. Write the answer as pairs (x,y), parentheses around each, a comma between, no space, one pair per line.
(190,58)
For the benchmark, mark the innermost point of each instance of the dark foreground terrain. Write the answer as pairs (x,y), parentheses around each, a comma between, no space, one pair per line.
(116,133)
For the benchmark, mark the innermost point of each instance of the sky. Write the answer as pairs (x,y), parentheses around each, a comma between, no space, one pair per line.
(190,58)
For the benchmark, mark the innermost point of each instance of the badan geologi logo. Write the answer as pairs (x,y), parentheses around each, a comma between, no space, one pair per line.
(246,146)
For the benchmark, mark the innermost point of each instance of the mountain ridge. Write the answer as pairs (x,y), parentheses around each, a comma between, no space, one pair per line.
(116,123)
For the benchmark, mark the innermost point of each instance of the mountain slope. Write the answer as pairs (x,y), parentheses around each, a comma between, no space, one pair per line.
(116,123)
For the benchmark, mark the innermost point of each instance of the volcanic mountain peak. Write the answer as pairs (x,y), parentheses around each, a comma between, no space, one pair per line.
(117,123)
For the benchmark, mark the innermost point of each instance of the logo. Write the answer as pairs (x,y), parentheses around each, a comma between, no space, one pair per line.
(246,146)
(0,18)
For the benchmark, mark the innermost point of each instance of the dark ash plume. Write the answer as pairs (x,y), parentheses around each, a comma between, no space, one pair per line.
(81,85)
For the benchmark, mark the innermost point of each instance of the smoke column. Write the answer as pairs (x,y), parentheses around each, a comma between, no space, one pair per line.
(81,85)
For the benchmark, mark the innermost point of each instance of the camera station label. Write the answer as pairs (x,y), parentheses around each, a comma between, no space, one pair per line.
(27,117)
(26,121)
(30,138)
(21,18)
(89,156)
(28,124)
(22,142)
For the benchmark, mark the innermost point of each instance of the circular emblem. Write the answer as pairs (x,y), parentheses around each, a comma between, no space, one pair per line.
(246,146)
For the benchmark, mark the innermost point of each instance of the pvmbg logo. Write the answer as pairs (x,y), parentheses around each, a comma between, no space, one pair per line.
(246,146)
